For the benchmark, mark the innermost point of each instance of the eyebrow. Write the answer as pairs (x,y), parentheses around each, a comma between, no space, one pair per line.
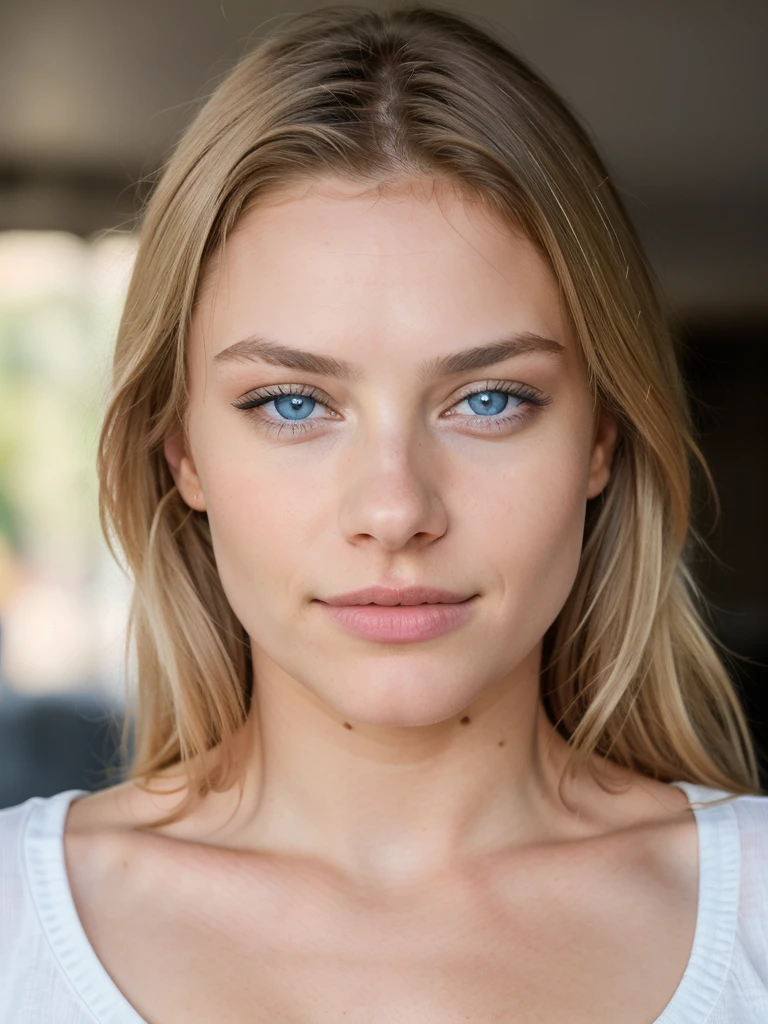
(274,353)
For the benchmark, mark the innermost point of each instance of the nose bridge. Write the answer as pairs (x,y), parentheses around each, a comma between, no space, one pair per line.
(389,488)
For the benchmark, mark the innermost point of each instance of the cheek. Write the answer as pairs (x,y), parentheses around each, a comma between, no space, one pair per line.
(526,524)
(261,518)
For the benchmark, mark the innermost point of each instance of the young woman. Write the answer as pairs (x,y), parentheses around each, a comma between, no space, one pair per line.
(428,727)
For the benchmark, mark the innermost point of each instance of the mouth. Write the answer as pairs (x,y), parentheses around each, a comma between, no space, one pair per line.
(401,622)
(390,597)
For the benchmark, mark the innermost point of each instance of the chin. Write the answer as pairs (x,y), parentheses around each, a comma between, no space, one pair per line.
(398,698)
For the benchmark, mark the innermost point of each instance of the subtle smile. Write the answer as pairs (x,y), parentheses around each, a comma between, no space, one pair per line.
(400,623)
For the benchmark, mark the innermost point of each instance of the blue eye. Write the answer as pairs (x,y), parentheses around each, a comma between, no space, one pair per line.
(490,403)
(294,407)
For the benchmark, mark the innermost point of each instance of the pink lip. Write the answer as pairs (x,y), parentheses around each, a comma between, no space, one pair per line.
(425,613)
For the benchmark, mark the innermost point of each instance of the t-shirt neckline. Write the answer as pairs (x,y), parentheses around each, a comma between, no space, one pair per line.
(55,905)
(692,1001)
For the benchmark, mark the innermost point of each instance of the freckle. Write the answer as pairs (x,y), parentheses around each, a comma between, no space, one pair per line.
(464,720)
(501,743)
(347,725)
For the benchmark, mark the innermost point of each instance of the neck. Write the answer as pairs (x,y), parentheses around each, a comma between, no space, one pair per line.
(395,804)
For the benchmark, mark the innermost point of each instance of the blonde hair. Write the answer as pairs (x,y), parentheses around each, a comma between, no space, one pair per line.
(380,97)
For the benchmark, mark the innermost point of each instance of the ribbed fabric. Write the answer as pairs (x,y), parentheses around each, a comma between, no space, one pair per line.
(50,972)
(717,916)
(55,907)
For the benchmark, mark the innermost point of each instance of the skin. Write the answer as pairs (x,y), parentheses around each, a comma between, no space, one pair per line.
(400,844)
(434,751)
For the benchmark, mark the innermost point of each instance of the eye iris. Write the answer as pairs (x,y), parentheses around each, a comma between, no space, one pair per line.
(484,403)
(294,407)
(488,402)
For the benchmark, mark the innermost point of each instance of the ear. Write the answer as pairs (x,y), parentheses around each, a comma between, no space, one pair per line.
(182,467)
(603,446)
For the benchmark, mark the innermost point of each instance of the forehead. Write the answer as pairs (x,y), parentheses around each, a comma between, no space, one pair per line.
(332,263)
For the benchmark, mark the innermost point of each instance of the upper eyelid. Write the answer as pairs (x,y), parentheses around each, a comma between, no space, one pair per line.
(313,391)
(490,385)
(266,388)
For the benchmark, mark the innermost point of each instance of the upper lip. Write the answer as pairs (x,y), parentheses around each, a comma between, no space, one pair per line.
(397,595)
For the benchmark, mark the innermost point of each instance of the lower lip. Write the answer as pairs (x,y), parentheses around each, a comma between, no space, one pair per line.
(400,624)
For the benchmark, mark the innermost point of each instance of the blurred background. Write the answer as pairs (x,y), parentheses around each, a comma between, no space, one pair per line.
(94,94)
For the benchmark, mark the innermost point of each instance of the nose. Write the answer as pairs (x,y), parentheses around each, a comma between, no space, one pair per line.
(390,493)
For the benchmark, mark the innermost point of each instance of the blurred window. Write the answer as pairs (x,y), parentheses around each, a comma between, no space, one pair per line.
(63,601)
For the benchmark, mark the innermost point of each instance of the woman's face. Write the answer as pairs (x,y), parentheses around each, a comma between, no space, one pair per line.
(383,455)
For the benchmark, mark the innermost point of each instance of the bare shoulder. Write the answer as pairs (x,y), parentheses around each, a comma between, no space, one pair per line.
(655,820)
(116,867)
(137,804)
(105,842)
(124,807)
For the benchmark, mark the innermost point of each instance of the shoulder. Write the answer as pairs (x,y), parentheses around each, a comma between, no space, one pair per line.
(27,835)
(13,822)
(750,814)
(27,832)
(738,825)
(18,911)
(44,958)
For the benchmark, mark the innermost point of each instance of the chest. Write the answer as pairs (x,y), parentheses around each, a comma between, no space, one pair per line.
(553,942)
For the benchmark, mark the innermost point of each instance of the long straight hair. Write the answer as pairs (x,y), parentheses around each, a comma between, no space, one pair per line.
(631,671)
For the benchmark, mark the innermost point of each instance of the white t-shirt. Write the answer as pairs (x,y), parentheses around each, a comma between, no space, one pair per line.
(50,974)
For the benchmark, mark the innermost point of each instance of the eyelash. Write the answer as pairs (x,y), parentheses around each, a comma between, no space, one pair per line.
(256,399)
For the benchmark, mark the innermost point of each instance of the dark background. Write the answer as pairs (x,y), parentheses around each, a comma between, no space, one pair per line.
(94,94)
